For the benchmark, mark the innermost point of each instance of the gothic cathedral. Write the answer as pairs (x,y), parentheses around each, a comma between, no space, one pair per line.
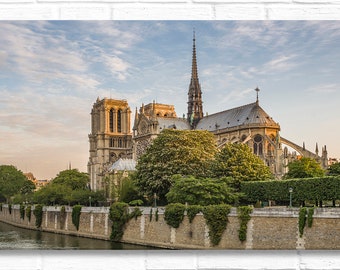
(111,138)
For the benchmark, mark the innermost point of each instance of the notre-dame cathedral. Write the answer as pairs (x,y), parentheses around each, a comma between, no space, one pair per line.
(111,137)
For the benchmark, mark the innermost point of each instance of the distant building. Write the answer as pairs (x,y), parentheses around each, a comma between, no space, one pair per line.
(248,124)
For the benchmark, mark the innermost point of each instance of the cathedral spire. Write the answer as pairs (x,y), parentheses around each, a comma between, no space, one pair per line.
(195,108)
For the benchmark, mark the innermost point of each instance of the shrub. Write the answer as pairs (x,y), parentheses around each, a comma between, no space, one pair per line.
(244,216)
(22,211)
(76,211)
(174,214)
(310,217)
(119,215)
(216,217)
(192,211)
(302,220)
(28,213)
(38,212)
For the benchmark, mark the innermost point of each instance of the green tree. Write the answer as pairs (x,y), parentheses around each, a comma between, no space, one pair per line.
(334,169)
(13,181)
(73,179)
(200,191)
(304,168)
(69,187)
(239,162)
(174,152)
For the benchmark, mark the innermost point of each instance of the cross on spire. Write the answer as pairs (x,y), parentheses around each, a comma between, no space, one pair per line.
(257,95)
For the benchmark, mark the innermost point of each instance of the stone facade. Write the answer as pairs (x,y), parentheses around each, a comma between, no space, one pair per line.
(110,137)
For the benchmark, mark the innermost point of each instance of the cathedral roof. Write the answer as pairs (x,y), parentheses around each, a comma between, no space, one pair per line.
(248,115)
(123,164)
(176,123)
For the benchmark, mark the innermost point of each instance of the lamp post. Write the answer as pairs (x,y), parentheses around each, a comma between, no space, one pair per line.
(290,197)
(155,199)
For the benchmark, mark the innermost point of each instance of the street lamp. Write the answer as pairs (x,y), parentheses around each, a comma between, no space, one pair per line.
(155,199)
(290,196)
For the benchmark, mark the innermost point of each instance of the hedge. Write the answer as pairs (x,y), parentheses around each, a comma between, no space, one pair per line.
(320,188)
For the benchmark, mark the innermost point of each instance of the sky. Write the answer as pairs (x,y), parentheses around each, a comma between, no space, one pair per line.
(51,73)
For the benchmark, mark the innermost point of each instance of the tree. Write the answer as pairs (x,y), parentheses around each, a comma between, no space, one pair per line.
(304,167)
(173,152)
(334,169)
(68,187)
(200,191)
(13,181)
(238,161)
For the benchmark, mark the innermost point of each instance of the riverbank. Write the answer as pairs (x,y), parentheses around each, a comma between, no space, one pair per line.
(268,228)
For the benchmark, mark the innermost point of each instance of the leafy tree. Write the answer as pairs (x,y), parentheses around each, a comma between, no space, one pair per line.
(238,161)
(304,168)
(69,187)
(13,181)
(200,191)
(72,178)
(334,169)
(174,152)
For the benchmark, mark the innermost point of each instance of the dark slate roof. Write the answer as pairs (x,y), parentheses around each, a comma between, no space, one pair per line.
(175,123)
(250,114)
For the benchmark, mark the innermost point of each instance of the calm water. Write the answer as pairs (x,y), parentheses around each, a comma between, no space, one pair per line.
(12,237)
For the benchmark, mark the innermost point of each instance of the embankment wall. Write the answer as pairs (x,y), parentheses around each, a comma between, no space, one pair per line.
(268,228)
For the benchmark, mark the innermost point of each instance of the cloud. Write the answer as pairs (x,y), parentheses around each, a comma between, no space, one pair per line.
(324,88)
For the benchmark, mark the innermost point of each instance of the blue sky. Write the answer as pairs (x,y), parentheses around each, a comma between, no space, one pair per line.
(51,73)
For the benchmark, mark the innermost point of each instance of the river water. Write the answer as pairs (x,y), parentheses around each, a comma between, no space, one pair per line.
(12,237)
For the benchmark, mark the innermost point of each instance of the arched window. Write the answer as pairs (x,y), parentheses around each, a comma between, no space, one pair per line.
(111,120)
(258,145)
(119,121)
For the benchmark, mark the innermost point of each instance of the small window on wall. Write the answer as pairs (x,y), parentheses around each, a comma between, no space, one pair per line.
(112,142)
(119,121)
(258,145)
(111,120)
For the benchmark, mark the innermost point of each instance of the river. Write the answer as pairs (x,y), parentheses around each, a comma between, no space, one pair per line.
(12,237)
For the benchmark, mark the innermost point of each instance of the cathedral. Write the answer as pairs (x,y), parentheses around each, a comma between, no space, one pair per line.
(111,138)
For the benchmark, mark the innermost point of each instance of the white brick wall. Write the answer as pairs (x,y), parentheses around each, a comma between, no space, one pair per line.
(172,9)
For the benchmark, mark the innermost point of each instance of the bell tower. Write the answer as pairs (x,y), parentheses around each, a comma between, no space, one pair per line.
(195,107)
(110,138)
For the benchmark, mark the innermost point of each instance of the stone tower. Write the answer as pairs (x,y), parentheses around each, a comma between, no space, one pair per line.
(110,137)
(195,108)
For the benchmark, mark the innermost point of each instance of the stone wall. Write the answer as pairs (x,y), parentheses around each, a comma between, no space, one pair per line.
(269,228)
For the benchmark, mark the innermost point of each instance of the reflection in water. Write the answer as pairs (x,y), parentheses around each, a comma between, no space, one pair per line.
(12,237)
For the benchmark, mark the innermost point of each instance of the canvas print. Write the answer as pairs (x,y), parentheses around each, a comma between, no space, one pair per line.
(169,135)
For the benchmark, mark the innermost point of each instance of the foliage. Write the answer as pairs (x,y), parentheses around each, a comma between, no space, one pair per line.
(202,191)
(150,215)
(10,209)
(302,220)
(310,217)
(174,214)
(334,169)
(313,189)
(244,216)
(216,217)
(22,211)
(136,203)
(184,152)
(38,213)
(304,168)
(240,163)
(119,215)
(13,181)
(76,211)
(70,187)
(156,215)
(192,211)
(28,212)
